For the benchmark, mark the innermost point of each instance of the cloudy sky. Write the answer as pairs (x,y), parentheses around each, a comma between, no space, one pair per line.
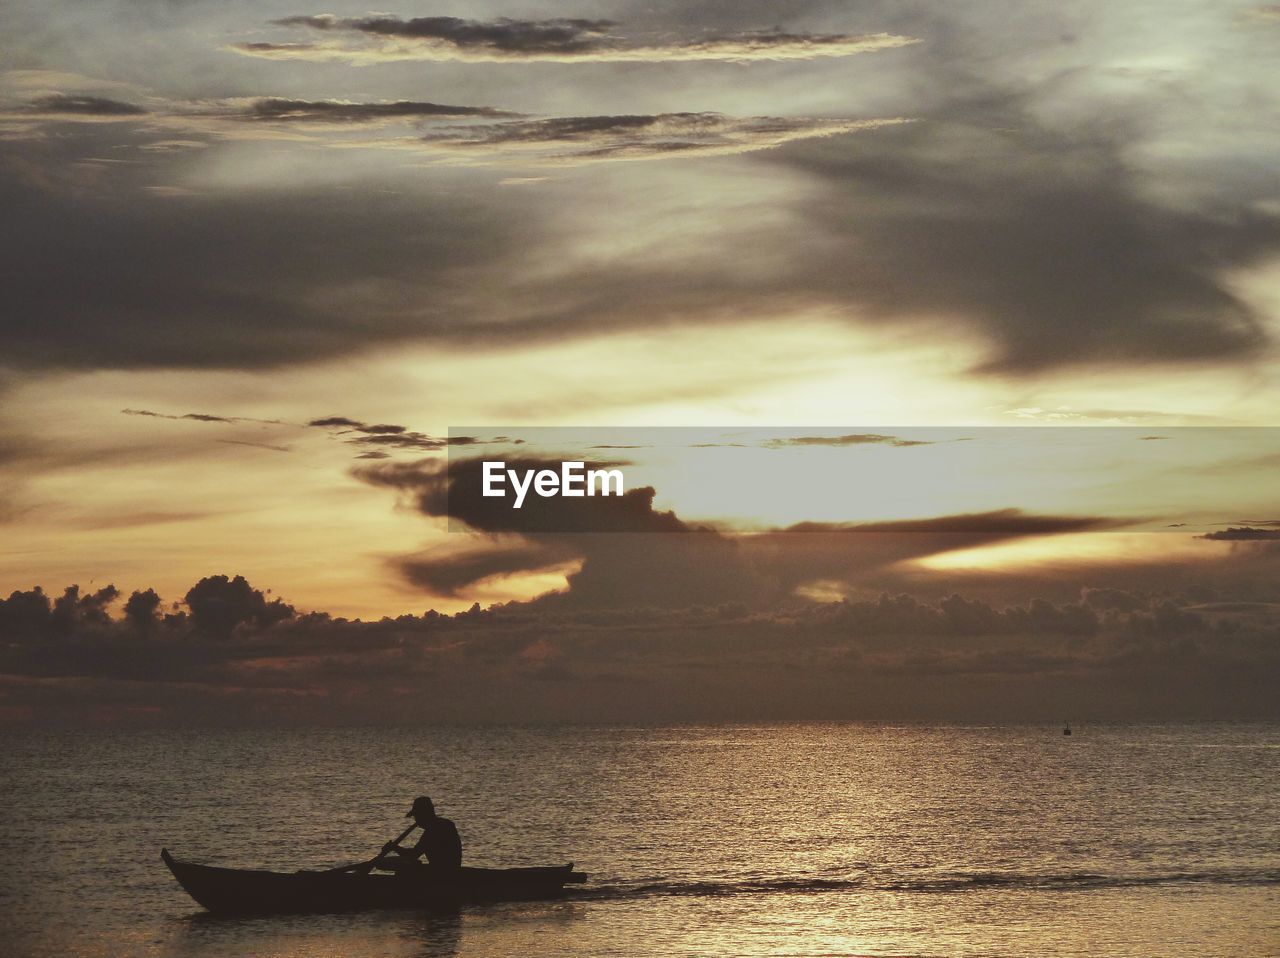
(261,258)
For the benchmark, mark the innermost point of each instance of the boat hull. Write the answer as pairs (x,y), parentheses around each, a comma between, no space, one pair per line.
(236,891)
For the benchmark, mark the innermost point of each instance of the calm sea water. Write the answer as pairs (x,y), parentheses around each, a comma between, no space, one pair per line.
(708,841)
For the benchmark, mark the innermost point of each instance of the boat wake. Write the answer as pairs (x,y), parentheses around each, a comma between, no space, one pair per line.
(945,882)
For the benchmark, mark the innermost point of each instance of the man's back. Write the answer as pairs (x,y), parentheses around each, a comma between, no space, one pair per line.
(441,844)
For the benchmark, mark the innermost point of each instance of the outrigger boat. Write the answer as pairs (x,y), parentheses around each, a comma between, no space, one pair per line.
(237,891)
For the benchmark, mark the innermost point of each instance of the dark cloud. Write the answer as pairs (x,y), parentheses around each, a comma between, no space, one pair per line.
(200,416)
(225,420)
(849,439)
(62,104)
(454,490)
(345,425)
(451,573)
(194,416)
(278,109)
(237,656)
(265,48)
(633,554)
(380,434)
(255,445)
(340,421)
(247,279)
(1037,231)
(1243,534)
(376,38)
(219,605)
(590,139)
(33,616)
(373,437)
(142,610)
(511,36)
(402,440)
(630,554)
(370,438)
(383,429)
(207,115)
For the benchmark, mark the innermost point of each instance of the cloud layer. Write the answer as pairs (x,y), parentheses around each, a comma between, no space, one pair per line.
(336,111)
(1044,240)
(228,653)
(507,138)
(64,106)
(622,552)
(381,38)
(1080,214)
(592,139)
(234,115)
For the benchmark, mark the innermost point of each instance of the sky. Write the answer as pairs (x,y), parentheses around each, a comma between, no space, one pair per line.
(263,260)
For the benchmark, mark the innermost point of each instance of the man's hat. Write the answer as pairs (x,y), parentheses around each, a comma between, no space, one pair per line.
(421,806)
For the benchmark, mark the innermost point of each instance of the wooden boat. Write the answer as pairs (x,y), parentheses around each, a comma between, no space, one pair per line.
(245,892)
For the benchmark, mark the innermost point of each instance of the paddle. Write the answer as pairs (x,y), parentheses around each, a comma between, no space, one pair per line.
(364,868)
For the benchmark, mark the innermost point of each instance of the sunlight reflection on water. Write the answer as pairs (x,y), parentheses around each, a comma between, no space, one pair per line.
(753,840)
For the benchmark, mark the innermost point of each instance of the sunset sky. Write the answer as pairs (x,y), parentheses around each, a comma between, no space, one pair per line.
(261,258)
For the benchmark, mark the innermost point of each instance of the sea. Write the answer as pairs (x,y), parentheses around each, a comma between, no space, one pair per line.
(742,840)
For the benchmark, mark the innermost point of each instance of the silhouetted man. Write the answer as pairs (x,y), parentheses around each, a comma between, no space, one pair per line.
(439,842)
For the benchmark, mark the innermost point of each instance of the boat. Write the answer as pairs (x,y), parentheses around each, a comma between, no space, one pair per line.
(239,891)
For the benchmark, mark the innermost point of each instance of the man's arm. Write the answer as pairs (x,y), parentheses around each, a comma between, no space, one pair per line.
(395,848)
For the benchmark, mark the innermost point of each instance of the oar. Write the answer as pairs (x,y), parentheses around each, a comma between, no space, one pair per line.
(363,868)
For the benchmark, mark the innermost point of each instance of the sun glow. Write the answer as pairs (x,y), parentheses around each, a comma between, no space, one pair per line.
(1081,548)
